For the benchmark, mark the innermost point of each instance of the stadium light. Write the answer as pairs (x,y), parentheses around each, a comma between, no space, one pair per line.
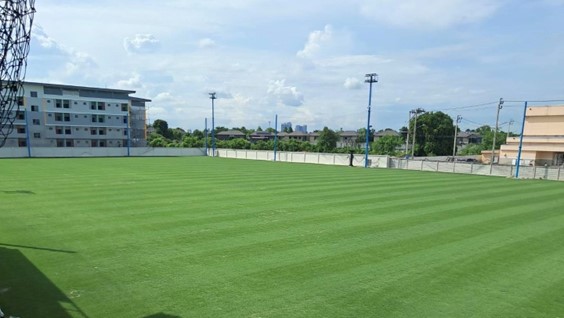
(213,98)
(370,78)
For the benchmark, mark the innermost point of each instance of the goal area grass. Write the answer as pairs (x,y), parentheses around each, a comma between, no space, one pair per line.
(214,237)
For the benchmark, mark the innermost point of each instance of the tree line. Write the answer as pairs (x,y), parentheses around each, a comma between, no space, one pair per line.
(434,137)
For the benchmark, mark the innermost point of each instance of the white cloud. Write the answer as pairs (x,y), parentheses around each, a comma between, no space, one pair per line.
(133,82)
(287,95)
(206,43)
(71,61)
(141,43)
(315,40)
(430,14)
(353,83)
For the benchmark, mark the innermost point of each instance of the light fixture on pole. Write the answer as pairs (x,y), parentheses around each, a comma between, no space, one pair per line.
(370,78)
(212,97)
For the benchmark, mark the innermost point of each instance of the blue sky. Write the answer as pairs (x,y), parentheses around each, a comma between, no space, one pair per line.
(306,60)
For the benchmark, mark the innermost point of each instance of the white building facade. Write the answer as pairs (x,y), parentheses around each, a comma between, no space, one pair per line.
(54,115)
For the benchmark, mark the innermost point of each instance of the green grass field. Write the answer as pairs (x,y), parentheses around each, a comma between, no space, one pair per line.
(204,237)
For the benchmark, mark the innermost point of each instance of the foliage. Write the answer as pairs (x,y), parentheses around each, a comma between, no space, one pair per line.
(327,140)
(387,145)
(434,134)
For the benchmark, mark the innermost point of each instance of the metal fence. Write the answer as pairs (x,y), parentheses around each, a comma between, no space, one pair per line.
(525,172)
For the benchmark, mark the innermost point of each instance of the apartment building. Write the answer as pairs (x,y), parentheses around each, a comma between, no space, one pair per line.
(54,115)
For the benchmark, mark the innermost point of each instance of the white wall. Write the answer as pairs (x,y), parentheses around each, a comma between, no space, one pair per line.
(50,152)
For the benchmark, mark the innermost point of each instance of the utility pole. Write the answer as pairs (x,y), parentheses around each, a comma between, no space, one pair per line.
(370,78)
(213,98)
(499,107)
(458,119)
(408,129)
(275,135)
(416,112)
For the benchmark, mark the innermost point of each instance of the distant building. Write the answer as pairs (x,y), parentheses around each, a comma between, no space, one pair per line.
(55,115)
(543,138)
(286,126)
(301,128)
(230,134)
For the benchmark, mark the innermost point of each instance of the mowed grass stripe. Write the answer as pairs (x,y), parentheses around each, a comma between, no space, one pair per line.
(216,237)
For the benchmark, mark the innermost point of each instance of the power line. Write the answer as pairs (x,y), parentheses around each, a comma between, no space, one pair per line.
(470,106)
(536,101)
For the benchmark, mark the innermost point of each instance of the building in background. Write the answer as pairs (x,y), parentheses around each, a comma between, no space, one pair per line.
(55,115)
(286,126)
(301,128)
(543,138)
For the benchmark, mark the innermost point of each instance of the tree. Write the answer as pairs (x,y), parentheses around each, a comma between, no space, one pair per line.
(361,139)
(487,137)
(288,129)
(198,134)
(387,145)
(434,134)
(327,140)
(161,128)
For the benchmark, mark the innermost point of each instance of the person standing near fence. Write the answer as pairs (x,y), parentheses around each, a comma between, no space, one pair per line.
(351,157)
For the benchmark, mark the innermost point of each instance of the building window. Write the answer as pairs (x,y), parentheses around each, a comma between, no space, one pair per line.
(125,132)
(93,131)
(69,143)
(36,122)
(101,132)
(124,107)
(58,103)
(125,119)
(34,108)
(58,130)
(101,119)
(21,130)
(66,103)
(20,101)
(102,143)
(94,118)
(101,106)
(94,143)
(20,115)
(22,142)
(60,142)
(36,135)
(68,131)
(67,116)
(93,105)
(33,94)
(58,117)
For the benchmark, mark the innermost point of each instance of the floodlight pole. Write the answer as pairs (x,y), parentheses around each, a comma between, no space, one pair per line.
(499,107)
(458,119)
(370,78)
(518,163)
(213,98)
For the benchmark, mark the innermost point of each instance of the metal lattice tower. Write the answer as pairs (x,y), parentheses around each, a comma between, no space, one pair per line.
(15,33)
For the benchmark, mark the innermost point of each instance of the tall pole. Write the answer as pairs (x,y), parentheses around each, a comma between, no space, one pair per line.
(212,97)
(407,137)
(458,119)
(511,122)
(275,135)
(416,112)
(206,135)
(518,163)
(128,127)
(499,107)
(370,78)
